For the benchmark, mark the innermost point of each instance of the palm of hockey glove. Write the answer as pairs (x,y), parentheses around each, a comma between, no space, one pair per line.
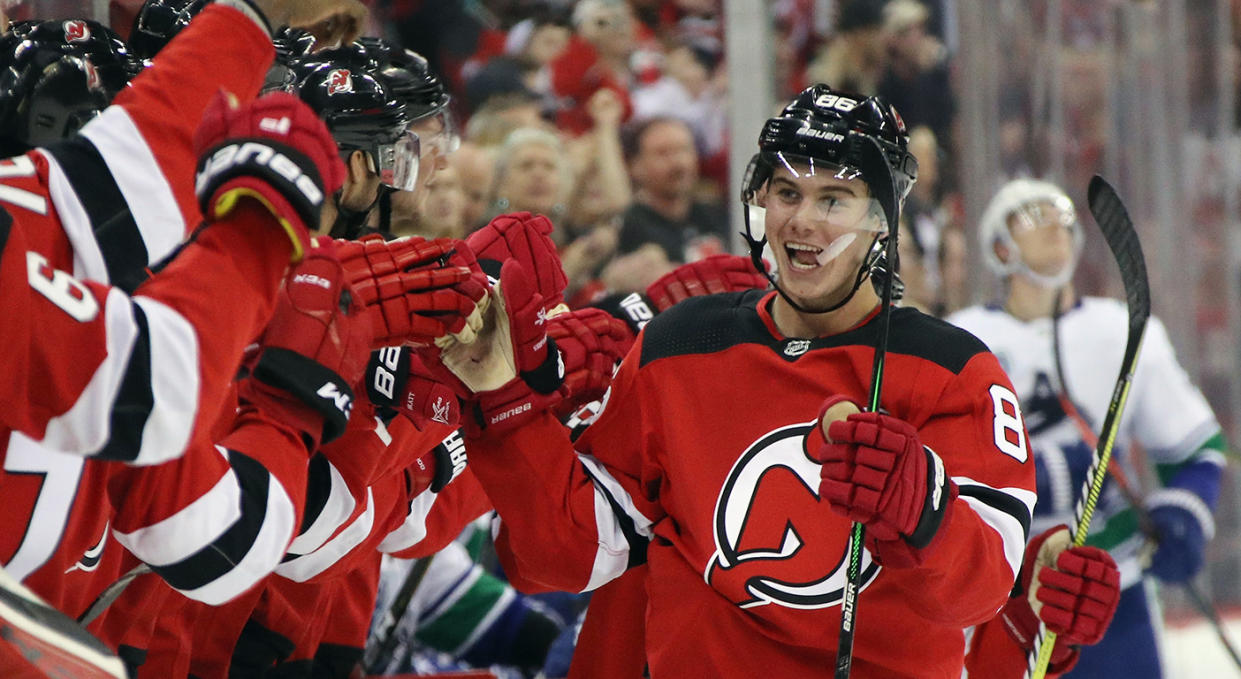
(413,289)
(591,342)
(876,471)
(275,151)
(512,343)
(314,348)
(1182,541)
(1076,598)
(527,239)
(717,273)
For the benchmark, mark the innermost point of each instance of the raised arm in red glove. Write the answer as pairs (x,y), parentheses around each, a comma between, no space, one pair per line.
(717,273)
(415,290)
(274,151)
(314,349)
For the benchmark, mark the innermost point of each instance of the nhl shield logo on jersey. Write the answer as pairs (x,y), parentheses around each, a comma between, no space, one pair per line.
(773,544)
(76,30)
(339,81)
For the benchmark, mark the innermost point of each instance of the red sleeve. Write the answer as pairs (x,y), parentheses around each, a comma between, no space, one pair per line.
(573,519)
(146,136)
(93,371)
(995,654)
(611,643)
(453,509)
(218,520)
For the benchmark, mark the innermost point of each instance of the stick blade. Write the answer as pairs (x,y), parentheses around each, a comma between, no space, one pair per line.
(1113,219)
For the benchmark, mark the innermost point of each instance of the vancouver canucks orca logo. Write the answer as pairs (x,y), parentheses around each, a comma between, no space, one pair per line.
(776,543)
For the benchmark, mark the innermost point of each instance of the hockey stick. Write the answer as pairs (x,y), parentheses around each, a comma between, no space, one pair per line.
(1110,214)
(857,534)
(1145,522)
(386,639)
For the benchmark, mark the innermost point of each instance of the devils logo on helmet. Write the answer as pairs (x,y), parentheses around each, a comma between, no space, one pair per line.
(339,81)
(76,30)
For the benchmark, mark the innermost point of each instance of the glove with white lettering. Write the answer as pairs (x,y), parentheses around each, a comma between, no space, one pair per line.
(314,348)
(1076,591)
(436,468)
(415,290)
(717,273)
(275,151)
(876,471)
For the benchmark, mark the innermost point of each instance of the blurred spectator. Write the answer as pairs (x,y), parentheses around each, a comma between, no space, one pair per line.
(922,223)
(501,115)
(531,175)
(689,90)
(916,79)
(855,58)
(475,167)
(597,56)
(663,165)
(443,211)
(529,48)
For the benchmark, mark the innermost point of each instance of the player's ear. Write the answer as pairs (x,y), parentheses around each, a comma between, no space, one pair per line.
(360,167)
(1001,251)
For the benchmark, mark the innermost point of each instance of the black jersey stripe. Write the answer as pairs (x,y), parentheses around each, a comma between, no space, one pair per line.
(6,225)
(134,401)
(714,323)
(1000,501)
(318,490)
(637,543)
(120,241)
(218,558)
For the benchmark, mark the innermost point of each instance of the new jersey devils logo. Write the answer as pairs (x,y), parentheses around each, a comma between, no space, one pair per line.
(76,30)
(775,542)
(338,81)
(92,76)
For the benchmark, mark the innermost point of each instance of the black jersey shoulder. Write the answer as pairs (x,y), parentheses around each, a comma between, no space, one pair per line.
(713,323)
(705,325)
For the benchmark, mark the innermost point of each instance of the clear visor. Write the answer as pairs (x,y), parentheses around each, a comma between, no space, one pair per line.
(443,141)
(1044,214)
(398,162)
(820,209)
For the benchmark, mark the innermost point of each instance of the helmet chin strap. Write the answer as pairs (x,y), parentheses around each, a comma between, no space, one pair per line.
(349,222)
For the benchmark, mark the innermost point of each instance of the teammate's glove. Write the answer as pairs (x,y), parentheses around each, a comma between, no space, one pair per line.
(591,342)
(1076,597)
(513,341)
(416,290)
(876,471)
(717,273)
(439,466)
(314,349)
(1181,537)
(525,238)
(274,151)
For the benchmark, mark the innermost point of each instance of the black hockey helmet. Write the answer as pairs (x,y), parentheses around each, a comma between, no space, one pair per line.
(158,21)
(857,136)
(410,76)
(360,110)
(54,77)
(290,43)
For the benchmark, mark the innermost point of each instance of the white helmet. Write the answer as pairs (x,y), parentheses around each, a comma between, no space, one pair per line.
(1013,197)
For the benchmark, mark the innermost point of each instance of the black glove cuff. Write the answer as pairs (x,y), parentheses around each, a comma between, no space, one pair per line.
(635,309)
(311,383)
(286,169)
(386,375)
(550,374)
(936,504)
(450,461)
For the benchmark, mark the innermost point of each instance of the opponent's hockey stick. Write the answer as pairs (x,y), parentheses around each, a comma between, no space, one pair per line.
(1112,218)
(379,647)
(857,535)
(1145,523)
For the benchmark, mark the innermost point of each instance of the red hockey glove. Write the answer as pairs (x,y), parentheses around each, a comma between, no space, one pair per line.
(527,239)
(717,273)
(513,341)
(591,342)
(1078,596)
(314,348)
(413,289)
(877,472)
(397,378)
(275,151)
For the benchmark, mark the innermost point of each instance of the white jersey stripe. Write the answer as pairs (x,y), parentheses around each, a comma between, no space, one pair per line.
(142,183)
(174,383)
(306,566)
(1012,532)
(414,528)
(612,556)
(336,510)
(87,259)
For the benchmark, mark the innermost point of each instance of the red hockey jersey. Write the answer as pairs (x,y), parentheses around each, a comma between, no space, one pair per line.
(698,467)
